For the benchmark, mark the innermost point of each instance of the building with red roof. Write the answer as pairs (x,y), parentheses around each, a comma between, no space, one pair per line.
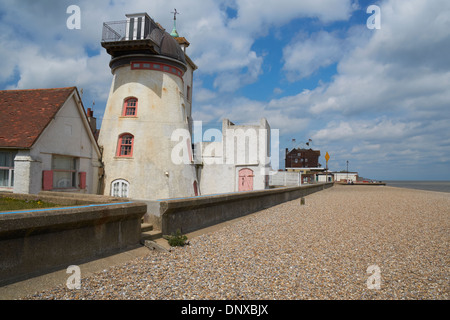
(46,142)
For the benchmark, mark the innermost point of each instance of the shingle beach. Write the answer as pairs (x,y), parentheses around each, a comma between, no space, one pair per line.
(320,250)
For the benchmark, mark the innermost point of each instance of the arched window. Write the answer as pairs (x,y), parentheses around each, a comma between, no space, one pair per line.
(119,188)
(125,145)
(130,107)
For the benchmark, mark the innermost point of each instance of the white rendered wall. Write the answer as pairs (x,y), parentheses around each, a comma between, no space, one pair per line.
(150,171)
(27,173)
(65,135)
(285,178)
(220,170)
(344,175)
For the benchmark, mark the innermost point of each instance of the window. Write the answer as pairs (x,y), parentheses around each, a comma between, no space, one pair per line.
(183,112)
(188,93)
(125,145)
(119,188)
(64,172)
(140,65)
(7,169)
(129,107)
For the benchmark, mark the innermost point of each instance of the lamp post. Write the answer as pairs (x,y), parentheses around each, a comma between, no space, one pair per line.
(347,171)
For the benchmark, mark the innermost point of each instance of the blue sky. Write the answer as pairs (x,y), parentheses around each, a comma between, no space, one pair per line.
(378,98)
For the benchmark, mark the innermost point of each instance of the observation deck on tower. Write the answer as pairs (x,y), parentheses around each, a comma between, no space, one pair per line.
(139,34)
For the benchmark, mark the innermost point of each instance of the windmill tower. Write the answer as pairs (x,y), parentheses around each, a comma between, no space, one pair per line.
(149,99)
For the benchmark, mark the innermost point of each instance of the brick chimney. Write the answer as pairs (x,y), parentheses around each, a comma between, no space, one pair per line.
(92,120)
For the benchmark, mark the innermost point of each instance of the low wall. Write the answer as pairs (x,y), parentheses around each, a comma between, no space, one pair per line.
(38,241)
(63,198)
(285,178)
(190,214)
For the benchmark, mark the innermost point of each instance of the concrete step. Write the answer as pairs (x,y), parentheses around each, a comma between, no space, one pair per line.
(151,235)
(146,227)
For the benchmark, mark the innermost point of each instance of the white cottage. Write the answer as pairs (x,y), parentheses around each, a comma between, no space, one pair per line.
(46,142)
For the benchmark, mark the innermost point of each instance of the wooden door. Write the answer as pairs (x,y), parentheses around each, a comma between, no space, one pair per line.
(245,179)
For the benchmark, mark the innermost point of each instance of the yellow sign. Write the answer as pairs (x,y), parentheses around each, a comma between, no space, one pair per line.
(327,156)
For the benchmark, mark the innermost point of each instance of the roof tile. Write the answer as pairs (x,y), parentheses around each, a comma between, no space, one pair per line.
(24,114)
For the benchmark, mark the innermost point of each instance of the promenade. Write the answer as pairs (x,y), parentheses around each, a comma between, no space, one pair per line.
(320,250)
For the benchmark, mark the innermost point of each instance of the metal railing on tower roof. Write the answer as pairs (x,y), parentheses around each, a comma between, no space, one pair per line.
(124,30)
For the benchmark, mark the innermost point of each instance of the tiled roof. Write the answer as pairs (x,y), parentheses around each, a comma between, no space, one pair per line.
(182,40)
(24,114)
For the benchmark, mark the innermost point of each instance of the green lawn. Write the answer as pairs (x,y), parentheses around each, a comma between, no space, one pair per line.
(8,204)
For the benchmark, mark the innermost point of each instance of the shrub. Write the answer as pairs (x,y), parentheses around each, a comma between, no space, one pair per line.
(176,240)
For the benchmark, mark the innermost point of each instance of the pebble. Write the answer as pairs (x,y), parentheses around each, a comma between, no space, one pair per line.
(319,250)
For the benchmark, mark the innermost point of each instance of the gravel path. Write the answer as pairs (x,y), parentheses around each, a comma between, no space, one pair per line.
(320,250)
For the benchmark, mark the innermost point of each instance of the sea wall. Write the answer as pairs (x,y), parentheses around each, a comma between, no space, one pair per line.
(38,241)
(190,214)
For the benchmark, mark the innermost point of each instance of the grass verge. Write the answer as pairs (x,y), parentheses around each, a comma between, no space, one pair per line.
(9,204)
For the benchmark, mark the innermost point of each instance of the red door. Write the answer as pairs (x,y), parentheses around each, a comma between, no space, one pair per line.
(245,179)
(195,188)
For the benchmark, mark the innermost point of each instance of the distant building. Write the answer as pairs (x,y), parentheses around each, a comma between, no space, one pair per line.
(326,176)
(342,176)
(305,161)
(345,176)
(302,158)
(46,142)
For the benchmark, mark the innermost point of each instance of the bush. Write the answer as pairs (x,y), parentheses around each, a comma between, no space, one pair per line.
(176,240)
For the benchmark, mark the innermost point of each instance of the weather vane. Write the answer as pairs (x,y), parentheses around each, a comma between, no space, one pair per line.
(175,12)
(174,32)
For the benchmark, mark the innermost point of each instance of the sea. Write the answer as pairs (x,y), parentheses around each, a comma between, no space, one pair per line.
(441,186)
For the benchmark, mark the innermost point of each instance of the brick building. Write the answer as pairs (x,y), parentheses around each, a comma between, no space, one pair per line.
(302,158)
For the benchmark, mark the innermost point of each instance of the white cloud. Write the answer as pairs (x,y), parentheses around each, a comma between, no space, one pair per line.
(369,130)
(303,56)
(259,15)
(245,111)
(402,63)
(203,95)
(277,91)
(388,100)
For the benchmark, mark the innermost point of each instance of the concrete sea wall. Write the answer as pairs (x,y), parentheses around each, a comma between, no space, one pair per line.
(34,242)
(190,214)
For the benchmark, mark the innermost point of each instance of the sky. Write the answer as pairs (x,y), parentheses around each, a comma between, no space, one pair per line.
(378,98)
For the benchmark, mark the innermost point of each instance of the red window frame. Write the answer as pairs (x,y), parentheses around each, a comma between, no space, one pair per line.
(130,107)
(125,145)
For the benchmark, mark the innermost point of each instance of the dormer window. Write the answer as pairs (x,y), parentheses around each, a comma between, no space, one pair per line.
(130,107)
